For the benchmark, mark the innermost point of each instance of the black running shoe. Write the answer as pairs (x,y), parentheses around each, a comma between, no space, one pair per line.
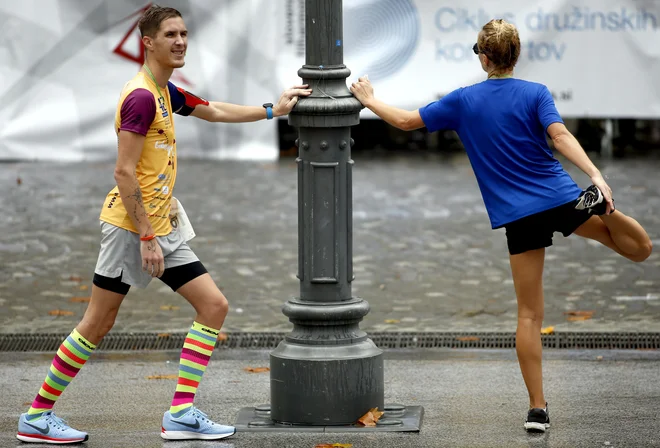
(538,420)
(592,200)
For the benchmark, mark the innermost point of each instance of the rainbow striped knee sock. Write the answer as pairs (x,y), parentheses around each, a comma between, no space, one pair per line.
(195,356)
(71,356)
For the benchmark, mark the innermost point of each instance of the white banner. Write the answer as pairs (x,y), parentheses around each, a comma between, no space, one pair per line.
(63,64)
(598,58)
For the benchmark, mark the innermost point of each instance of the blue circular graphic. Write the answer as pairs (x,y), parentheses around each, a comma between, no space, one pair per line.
(381,34)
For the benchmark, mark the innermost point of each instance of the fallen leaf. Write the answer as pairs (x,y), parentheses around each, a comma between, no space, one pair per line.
(370,418)
(75,278)
(579,313)
(548,330)
(257,369)
(169,308)
(163,377)
(468,338)
(575,316)
(222,336)
(392,321)
(80,299)
(163,335)
(367,420)
(19,181)
(60,313)
(334,445)
(27,403)
(600,358)
(84,287)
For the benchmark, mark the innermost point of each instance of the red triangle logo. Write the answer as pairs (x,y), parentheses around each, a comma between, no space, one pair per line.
(119,49)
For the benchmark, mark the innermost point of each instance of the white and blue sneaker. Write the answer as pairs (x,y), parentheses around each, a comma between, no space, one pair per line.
(48,429)
(194,424)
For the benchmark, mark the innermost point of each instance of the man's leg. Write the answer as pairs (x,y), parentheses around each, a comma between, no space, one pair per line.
(620,233)
(527,270)
(70,358)
(77,348)
(211,306)
(209,302)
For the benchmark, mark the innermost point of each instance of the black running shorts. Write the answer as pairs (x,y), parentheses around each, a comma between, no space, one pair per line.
(174,277)
(535,231)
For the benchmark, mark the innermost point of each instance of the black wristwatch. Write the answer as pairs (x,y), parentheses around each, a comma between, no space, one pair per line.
(269,110)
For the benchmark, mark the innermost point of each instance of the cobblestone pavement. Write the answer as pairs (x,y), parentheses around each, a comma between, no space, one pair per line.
(425,257)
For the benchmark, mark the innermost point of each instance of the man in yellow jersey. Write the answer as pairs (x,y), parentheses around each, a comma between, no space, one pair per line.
(138,241)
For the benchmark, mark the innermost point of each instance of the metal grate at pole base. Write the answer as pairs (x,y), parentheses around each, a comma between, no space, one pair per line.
(50,342)
(397,418)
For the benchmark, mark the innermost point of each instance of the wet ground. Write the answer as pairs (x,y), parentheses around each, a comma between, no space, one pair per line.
(425,257)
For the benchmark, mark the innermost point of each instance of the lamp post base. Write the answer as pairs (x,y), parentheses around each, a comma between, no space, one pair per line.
(397,418)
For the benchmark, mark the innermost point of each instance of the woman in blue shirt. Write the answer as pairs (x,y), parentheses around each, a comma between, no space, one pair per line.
(502,123)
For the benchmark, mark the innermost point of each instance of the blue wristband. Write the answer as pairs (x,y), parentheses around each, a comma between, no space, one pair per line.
(269,110)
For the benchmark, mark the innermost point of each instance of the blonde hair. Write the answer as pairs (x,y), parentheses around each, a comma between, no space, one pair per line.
(499,40)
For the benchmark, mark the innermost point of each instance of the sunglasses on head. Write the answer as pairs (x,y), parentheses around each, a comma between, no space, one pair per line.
(476,50)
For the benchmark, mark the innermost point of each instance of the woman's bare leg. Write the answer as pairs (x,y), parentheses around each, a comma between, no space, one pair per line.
(527,270)
(620,233)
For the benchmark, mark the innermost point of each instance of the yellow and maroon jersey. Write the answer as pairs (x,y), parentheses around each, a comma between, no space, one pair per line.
(142,110)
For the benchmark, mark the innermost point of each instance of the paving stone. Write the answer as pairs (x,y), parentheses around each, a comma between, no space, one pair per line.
(423,251)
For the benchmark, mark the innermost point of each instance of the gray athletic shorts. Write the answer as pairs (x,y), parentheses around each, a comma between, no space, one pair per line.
(120,254)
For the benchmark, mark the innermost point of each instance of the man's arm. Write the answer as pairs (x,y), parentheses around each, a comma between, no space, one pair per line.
(217,112)
(130,150)
(186,103)
(137,113)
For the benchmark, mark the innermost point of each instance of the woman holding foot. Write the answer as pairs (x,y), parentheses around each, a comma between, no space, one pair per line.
(502,123)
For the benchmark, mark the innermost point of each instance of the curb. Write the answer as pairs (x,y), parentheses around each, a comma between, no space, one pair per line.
(47,342)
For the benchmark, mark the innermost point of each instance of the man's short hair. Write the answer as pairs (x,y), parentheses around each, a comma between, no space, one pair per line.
(150,21)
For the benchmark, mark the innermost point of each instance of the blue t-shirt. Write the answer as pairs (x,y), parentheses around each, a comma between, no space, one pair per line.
(502,124)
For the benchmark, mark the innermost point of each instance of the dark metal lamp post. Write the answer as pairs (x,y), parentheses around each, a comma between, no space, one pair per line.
(326,373)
